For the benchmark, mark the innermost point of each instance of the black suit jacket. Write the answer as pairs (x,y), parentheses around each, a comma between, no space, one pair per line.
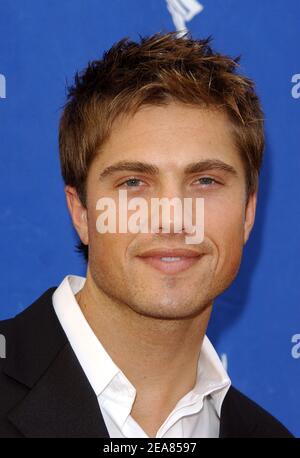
(45,393)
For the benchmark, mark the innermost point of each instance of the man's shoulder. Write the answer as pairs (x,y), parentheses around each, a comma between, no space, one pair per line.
(243,417)
(29,332)
(30,311)
(4,325)
(32,339)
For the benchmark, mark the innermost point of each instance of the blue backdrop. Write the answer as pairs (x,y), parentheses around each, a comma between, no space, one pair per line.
(256,323)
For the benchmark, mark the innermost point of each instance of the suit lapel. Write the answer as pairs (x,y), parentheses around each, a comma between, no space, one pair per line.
(228,425)
(60,401)
(232,422)
(61,404)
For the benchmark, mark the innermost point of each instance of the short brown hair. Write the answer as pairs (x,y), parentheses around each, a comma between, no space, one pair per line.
(155,71)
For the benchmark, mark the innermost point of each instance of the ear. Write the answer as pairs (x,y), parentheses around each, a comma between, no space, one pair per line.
(249,215)
(78,213)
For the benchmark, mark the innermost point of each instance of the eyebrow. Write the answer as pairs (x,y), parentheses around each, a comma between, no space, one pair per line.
(132,166)
(151,169)
(210,164)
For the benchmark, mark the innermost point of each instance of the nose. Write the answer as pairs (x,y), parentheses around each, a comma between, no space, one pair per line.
(167,209)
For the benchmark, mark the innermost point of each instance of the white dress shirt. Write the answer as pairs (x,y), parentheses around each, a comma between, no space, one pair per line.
(196,414)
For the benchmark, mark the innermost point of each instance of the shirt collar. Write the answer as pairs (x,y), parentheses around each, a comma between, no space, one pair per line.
(94,359)
(212,378)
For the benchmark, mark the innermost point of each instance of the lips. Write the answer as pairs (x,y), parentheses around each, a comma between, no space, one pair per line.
(170,261)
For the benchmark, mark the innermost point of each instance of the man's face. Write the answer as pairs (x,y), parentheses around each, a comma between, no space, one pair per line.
(173,139)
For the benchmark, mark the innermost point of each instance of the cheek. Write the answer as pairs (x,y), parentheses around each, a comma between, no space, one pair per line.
(107,251)
(108,248)
(224,227)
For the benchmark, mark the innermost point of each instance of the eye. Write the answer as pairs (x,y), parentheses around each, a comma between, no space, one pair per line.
(206,181)
(131,183)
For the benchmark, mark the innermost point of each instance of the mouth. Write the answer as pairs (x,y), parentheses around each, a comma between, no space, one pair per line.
(170,261)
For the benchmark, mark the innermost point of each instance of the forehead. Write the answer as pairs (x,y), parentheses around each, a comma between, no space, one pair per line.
(172,135)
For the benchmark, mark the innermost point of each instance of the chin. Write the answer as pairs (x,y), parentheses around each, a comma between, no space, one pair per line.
(168,307)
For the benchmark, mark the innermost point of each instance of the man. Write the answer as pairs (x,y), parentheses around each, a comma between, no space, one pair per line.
(123,352)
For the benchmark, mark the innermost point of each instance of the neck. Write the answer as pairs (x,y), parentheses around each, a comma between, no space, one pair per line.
(159,357)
